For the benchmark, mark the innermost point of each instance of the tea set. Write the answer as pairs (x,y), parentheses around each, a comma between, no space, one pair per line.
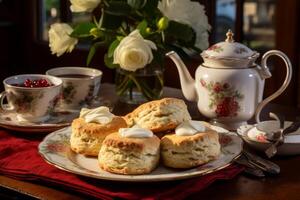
(229,85)
(38,109)
(228,88)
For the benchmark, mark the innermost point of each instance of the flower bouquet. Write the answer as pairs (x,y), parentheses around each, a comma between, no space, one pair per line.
(137,34)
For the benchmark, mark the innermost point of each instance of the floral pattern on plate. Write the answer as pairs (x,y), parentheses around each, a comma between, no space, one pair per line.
(66,159)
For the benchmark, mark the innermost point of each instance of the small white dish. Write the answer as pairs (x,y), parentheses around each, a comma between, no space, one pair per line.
(255,138)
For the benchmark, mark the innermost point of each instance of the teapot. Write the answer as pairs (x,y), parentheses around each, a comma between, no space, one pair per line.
(229,85)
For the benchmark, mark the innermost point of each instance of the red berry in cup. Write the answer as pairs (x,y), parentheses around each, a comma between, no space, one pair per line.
(27,83)
(36,83)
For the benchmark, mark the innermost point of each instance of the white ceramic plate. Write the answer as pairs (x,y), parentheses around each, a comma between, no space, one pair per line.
(55,149)
(251,135)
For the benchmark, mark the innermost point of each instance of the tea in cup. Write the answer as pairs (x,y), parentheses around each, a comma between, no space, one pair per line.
(31,96)
(80,86)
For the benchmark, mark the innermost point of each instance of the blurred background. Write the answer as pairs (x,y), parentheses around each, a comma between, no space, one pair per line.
(260,24)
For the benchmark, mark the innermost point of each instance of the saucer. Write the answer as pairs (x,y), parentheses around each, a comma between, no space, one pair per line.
(56,121)
(256,139)
(59,119)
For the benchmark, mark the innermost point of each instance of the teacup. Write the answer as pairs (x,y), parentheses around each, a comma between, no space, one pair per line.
(31,104)
(80,86)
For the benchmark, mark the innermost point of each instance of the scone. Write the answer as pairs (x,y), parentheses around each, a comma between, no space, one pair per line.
(87,137)
(186,151)
(129,155)
(159,115)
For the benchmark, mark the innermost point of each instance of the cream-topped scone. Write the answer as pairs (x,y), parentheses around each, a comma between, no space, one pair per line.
(192,144)
(91,128)
(159,115)
(130,151)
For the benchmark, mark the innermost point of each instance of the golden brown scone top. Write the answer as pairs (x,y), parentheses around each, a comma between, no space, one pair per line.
(159,115)
(177,140)
(132,144)
(95,128)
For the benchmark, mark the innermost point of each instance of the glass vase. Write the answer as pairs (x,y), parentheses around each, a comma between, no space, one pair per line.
(140,86)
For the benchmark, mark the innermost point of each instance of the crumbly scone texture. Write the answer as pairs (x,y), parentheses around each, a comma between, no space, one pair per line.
(87,138)
(190,151)
(159,115)
(123,155)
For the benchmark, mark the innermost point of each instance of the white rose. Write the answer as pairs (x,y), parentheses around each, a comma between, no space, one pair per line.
(191,13)
(59,39)
(134,52)
(84,5)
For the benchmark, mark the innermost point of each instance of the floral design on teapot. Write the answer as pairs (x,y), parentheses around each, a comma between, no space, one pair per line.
(241,50)
(223,97)
(215,48)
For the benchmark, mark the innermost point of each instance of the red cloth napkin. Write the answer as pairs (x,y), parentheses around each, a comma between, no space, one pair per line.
(19,159)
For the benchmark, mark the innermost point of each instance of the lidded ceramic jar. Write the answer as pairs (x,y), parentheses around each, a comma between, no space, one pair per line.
(229,85)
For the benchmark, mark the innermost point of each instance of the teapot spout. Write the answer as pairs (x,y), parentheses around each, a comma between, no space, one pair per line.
(186,81)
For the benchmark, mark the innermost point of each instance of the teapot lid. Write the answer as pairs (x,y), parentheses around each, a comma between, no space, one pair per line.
(229,54)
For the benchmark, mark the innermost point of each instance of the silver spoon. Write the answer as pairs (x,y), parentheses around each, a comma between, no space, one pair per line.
(278,136)
(271,128)
(258,162)
(249,167)
(272,150)
(263,164)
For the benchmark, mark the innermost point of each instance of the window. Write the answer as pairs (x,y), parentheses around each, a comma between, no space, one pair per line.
(251,20)
(52,11)
(259,26)
(225,18)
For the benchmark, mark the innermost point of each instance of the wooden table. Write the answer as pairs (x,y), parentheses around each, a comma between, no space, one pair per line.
(243,187)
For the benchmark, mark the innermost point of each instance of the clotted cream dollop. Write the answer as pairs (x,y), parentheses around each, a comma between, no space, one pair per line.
(100,115)
(135,132)
(190,127)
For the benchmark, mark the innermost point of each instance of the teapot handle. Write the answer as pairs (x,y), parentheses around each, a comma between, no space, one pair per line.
(286,82)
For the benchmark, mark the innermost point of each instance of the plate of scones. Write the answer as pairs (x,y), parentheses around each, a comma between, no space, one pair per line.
(158,141)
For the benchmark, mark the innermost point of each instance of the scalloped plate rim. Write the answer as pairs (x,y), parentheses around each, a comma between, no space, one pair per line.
(182,174)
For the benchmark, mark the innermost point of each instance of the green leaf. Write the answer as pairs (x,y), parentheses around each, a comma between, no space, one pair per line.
(137,4)
(142,27)
(82,30)
(92,51)
(112,48)
(109,62)
(181,32)
(118,8)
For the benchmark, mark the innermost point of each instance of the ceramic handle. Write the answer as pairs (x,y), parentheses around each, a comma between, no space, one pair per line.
(286,82)
(2,97)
